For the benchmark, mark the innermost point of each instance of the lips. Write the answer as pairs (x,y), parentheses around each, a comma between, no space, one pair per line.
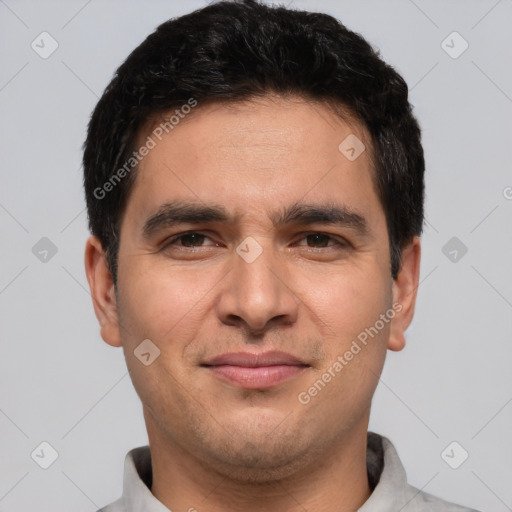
(255,370)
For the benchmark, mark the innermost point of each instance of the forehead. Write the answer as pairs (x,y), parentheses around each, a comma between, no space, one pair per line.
(263,152)
(292,125)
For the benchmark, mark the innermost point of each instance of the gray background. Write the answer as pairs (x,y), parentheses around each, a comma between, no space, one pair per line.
(61,384)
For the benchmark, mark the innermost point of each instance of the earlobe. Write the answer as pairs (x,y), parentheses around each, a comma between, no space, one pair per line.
(102,291)
(405,288)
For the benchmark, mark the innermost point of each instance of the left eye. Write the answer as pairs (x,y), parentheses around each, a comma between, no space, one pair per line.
(319,239)
(188,239)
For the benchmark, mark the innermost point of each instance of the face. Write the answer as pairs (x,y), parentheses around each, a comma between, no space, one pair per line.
(254,255)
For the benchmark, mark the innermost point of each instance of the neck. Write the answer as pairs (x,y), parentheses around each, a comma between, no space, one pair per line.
(336,480)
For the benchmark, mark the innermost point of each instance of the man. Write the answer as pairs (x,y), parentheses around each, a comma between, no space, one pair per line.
(254,183)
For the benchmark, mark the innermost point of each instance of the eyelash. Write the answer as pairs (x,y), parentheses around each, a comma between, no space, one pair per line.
(342,243)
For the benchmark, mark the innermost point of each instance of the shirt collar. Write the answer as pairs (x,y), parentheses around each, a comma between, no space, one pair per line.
(391,491)
(385,471)
(137,482)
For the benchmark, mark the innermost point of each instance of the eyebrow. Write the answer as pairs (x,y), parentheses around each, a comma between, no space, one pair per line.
(179,212)
(332,214)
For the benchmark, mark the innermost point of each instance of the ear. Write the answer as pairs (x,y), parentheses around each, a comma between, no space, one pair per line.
(404,291)
(102,291)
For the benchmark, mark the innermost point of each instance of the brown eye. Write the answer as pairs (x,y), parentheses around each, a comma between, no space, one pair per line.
(321,240)
(318,239)
(191,239)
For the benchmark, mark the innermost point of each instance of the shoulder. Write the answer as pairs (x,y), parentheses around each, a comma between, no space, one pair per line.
(392,491)
(424,502)
(117,506)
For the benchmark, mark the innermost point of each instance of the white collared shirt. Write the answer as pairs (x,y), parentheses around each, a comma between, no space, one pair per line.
(391,492)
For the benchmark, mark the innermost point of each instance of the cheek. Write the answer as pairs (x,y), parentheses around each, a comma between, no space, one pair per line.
(355,348)
(160,305)
(346,302)
(158,300)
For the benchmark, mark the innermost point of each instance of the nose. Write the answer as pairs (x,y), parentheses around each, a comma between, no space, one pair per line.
(257,295)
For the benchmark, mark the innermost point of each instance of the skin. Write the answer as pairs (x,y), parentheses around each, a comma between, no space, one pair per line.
(216,446)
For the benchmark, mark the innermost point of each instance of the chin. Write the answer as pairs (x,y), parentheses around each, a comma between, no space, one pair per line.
(254,465)
(259,456)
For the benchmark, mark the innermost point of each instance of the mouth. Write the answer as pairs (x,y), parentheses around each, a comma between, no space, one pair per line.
(255,371)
